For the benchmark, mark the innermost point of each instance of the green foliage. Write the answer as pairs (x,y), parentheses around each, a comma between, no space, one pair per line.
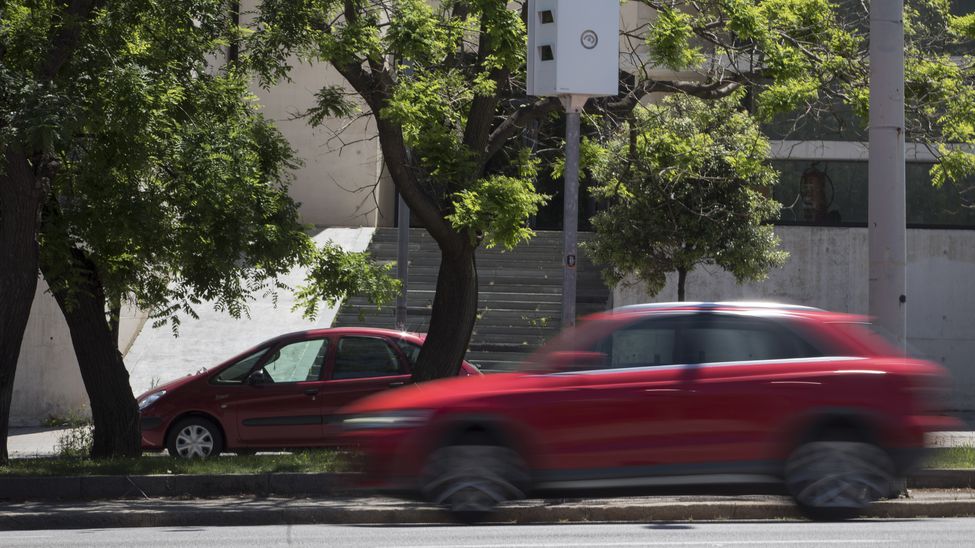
(688,184)
(76,442)
(496,206)
(439,59)
(330,102)
(801,59)
(167,175)
(339,274)
(670,38)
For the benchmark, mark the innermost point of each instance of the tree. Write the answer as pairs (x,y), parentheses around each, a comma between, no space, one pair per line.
(445,85)
(442,83)
(688,184)
(162,184)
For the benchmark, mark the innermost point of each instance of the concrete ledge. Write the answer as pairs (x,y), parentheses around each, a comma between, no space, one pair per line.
(942,479)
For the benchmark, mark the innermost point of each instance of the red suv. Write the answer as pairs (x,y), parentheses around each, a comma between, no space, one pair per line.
(279,394)
(663,395)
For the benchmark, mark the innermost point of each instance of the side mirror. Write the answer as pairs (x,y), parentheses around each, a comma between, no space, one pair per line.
(257,377)
(576,360)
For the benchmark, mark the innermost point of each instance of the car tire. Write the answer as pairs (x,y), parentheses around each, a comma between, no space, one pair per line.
(195,437)
(470,480)
(837,480)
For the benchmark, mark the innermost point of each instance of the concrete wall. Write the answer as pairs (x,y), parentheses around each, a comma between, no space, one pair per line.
(340,181)
(48,383)
(828,269)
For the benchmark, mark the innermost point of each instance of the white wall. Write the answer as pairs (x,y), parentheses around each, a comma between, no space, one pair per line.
(828,269)
(48,383)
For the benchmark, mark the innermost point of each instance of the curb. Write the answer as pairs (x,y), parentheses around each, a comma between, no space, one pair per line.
(53,488)
(187,514)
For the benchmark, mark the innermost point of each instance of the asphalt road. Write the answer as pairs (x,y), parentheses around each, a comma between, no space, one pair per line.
(925,532)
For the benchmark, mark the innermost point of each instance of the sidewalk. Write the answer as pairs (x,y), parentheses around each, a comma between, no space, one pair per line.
(375,510)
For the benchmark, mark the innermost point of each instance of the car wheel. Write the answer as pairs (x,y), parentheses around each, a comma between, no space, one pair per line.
(195,437)
(837,480)
(471,480)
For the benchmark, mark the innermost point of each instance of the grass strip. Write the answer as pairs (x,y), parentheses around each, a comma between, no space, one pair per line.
(952,457)
(301,462)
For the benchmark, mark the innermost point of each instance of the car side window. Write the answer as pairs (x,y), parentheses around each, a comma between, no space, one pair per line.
(297,362)
(712,339)
(237,373)
(410,349)
(645,343)
(364,357)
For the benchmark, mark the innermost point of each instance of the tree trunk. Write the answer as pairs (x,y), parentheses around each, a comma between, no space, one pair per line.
(681,282)
(113,408)
(21,195)
(452,317)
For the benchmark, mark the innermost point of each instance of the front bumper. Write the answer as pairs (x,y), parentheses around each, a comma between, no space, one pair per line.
(153,432)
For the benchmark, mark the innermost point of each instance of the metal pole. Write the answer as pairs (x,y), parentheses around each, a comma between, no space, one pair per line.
(402,260)
(570,213)
(886,214)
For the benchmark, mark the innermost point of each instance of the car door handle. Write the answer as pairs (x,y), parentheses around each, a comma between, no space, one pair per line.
(394,384)
(311,391)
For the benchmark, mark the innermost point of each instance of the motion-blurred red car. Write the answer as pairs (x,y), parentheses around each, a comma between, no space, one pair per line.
(279,394)
(663,395)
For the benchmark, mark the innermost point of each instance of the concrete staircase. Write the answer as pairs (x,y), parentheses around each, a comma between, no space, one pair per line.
(519,299)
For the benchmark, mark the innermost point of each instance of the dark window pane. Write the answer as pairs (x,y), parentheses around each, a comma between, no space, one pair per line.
(646,343)
(362,357)
(411,350)
(835,192)
(716,339)
(237,373)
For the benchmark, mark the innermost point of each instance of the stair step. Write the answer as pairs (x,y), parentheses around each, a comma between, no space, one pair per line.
(519,294)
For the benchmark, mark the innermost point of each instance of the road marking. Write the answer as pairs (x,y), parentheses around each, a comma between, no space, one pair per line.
(674,543)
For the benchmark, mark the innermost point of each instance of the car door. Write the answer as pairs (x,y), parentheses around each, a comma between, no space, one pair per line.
(619,420)
(286,409)
(747,377)
(361,365)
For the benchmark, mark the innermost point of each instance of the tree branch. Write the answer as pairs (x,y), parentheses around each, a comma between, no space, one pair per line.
(704,90)
(67,37)
(517,121)
(395,156)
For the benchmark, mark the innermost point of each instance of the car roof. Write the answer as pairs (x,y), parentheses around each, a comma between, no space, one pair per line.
(752,307)
(348,331)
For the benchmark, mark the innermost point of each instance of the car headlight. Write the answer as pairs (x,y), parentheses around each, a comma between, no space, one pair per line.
(387,419)
(150,399)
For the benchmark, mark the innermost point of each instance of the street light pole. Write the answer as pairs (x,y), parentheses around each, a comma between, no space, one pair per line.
(886,213)
(570,207)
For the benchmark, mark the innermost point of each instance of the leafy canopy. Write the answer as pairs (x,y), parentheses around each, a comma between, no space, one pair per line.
(688,184)
(164,172)
(421,67)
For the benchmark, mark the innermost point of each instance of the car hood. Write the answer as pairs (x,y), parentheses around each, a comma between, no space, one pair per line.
(173,384)
(433,394)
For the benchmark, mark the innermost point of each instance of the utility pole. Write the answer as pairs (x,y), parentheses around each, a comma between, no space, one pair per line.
(570,206)
(573,54)
(402,260)
(886,213)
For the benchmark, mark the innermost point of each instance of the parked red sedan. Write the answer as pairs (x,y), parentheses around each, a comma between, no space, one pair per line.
(279,394)
(663,395)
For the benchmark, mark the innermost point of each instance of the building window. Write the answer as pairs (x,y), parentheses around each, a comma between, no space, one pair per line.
(834,192)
